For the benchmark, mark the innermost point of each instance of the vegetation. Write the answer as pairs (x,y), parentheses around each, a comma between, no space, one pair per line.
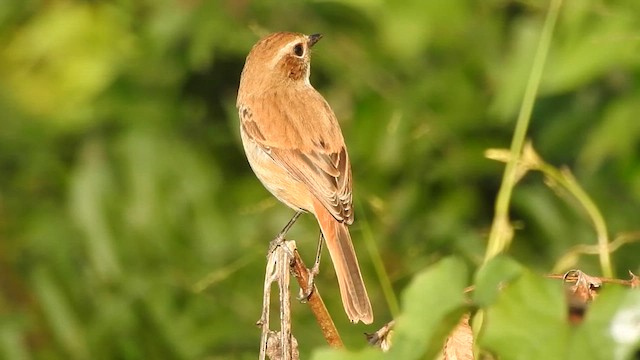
(131,226)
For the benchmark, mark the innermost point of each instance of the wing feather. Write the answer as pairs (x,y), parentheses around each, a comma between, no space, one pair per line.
(310,148)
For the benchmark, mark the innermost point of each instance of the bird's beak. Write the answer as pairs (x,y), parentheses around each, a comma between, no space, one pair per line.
(314,38)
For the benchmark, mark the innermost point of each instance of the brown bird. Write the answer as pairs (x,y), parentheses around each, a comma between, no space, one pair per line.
(294,145)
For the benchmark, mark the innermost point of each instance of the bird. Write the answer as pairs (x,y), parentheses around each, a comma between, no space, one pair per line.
(295,147)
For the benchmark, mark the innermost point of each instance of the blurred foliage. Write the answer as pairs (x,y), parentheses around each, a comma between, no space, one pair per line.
(123,187)
(523,316)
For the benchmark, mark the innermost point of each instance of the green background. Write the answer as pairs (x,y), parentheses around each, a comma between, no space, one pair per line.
(131,226)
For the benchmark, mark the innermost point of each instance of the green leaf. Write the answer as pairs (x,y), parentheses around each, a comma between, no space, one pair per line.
(611,328)
(332,354)
(431,307)
(501,269)
(528,321)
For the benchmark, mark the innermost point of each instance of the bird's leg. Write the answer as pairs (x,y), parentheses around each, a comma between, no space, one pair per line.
(315,270)
(280,237)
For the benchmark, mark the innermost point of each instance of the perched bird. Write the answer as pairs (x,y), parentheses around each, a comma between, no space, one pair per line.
(294,145)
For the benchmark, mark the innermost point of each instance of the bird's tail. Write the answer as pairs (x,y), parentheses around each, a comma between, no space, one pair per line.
(354,294)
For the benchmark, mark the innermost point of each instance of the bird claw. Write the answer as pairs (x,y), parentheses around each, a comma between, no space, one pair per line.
(306,293)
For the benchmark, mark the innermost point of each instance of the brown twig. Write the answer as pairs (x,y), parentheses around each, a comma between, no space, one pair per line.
(572,278)
(301,272)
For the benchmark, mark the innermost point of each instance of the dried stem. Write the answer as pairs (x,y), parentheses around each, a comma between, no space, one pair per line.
(281,344)
(301,272)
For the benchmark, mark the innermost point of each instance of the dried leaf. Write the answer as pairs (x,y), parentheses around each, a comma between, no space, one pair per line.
(581,291)
(459,345)
(382,337)
(634,282)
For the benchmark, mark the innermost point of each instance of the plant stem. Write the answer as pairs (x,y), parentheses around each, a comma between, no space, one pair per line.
(566,179)
(378,265)
(501,231)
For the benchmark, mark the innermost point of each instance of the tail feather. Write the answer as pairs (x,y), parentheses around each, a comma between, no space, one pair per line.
(354,294)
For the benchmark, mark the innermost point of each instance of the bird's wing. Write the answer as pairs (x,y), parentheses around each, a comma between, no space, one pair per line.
(327,176)
(315,156)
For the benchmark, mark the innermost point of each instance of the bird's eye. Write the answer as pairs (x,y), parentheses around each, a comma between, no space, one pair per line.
(298,50)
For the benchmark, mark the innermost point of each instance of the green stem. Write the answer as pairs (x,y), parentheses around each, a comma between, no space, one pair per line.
(378,265)
(501,231)
(566,179)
